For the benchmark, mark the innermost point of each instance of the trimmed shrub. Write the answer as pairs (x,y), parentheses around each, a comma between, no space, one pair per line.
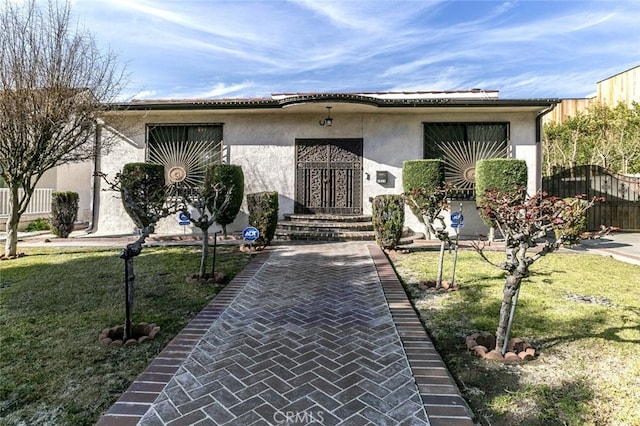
(142,187)
(64,212)
(230,180)
(501,174)
(422,174)
(263,215)
(388,219)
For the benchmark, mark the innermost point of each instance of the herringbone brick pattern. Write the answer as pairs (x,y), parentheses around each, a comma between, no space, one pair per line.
(309,339)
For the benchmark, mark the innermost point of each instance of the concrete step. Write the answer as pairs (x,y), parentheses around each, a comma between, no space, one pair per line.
(325,227)
(300,225)
(326,218)
(324,235)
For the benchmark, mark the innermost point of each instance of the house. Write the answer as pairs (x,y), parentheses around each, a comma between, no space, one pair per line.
(322,152)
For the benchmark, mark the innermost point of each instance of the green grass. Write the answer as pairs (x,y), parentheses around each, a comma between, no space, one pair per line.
(55,303)
(580,311)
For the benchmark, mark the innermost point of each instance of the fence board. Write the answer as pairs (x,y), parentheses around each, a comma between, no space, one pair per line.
(40,201)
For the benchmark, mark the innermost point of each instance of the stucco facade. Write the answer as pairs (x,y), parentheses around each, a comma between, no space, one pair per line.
(260,136)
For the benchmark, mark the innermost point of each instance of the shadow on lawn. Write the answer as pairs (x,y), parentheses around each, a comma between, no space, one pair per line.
(498,393)
(495,391)
(503,402)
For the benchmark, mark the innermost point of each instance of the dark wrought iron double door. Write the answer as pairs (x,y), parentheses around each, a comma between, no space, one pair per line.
(329,176)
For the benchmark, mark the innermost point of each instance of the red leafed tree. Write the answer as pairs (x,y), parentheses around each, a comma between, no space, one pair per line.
(538,223)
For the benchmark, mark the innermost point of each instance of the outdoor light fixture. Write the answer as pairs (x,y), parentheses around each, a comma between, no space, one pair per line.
(327,121)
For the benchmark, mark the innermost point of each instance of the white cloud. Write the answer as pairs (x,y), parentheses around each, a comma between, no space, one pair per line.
(205,48)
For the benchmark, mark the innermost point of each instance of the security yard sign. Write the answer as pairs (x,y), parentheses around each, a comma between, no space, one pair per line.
(250,234)
(456,220)
(184,218)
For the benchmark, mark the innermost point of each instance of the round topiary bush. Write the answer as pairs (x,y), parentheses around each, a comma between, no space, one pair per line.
(142,186)
(229,180)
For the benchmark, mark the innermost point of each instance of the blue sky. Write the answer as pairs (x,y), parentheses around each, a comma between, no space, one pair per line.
(243,48)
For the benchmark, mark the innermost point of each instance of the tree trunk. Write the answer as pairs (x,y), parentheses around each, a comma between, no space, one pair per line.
(127,254)
(11,243)
(510,288)
(440,262)
(129,279)
(205,251)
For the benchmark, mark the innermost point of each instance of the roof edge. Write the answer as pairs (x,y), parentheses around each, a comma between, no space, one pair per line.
(290,100)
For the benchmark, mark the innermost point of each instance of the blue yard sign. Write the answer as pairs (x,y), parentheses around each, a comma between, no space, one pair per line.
(456,220)
(184,218)
(250,234)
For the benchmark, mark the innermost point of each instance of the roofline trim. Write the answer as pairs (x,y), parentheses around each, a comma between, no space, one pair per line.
(270,103)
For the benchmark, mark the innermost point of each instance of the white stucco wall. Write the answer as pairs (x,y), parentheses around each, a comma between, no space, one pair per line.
(263,143)
(77,177)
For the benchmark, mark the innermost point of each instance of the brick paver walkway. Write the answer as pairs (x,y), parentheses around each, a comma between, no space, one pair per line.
(307,334)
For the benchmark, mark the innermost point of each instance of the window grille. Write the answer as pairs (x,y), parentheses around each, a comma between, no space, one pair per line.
(460,145)
(184,150)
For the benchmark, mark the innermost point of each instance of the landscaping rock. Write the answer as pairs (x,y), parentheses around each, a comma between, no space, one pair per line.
(511,356)
(494,355)
(480,350)
(141,333)
(519,350)
(471,341)
(486,340)
(525,356)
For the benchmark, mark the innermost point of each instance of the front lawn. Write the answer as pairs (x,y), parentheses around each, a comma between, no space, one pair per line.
(55,302)
(580,311)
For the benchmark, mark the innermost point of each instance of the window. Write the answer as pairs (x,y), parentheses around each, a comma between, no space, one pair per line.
(460,145)
(184,150)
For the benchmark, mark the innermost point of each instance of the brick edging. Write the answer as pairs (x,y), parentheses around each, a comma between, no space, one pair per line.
(140,396)
(440,394)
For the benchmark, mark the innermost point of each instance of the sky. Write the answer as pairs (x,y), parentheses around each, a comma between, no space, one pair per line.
(197,49)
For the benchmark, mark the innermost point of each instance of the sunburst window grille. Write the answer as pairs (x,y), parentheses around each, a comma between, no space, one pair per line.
(185,150)
(460,145)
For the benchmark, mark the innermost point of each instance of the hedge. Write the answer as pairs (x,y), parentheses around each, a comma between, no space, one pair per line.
(388,219)
(64,212)
(502,174)
(426,174)
(263,215)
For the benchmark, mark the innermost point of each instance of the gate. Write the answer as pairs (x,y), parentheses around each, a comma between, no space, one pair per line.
(329,176)
(621,208)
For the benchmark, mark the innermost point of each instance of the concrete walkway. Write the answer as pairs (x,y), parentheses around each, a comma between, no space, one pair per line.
(305,334)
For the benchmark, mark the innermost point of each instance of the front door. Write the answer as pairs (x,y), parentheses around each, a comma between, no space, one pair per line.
(329,176)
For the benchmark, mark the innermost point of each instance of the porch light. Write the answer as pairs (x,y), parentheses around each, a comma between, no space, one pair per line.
(328,122)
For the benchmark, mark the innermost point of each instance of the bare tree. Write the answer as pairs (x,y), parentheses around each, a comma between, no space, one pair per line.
(431,203)
(54,83)
(208,201)
(528,223)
